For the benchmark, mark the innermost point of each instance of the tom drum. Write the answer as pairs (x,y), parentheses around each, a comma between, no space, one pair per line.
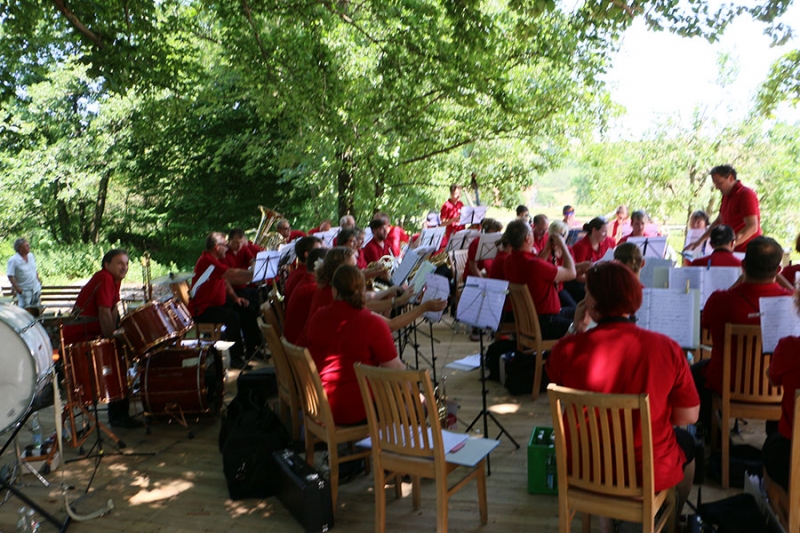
(148,327)
(98,370)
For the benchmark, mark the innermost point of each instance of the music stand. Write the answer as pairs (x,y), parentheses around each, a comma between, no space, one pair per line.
(481,306)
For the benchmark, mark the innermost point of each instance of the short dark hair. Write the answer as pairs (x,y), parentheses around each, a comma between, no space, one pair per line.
(521,209)
(111,254)
(335,257)
(725,171)
(305,245)
(538,219)
(453,187)
(721,235)
(376,223)
(615,288)
(596,223)
(700,214)
(313,256)
(629,255)
(235,233)
(345,235)
(762,258)
(639,214)
(567,210)
(491,225)
(212,238)
(516,233)
(349,284)
(797,243)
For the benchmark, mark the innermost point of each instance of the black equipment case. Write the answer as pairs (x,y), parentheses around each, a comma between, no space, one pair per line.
(304,492)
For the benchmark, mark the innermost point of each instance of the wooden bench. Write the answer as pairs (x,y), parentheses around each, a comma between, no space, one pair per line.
(60,296)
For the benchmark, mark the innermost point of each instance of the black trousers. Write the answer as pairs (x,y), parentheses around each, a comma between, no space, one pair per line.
(226,314)
(248,316)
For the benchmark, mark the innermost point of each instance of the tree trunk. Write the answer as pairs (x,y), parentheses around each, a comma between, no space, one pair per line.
(63,233)
(99,208)
(346,192)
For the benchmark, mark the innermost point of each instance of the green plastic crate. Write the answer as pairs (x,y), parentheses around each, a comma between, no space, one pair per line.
(538,455)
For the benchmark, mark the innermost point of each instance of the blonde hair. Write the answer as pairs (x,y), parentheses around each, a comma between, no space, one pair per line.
(558,227)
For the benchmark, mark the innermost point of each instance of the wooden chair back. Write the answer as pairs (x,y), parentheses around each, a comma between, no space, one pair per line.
(313,397)
(595,441)
(459,260)
(744,366)
(287,387)
(271,318)
(529,333)
(278,305)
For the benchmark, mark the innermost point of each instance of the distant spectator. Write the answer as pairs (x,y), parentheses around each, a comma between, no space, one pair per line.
(23,275)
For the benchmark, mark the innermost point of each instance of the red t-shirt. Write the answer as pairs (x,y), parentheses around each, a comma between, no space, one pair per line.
(582,250)
(241,259)
(472,252)
(737,305)
(784,370)
(323,296)
(394,237)
(361,263)
(211,292)
(339,336)
(102,290)
(539,244)
(295,234)
(718,258)
(739,203)
(496,272)
(621,358)
(374,251)
(790,273)
(295,278)
(298,307)
(538,275)
(450,210)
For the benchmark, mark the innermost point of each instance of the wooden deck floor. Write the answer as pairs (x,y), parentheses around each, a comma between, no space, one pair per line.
(165,482)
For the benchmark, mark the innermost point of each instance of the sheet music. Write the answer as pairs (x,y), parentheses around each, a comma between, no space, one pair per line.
(329,237)
(288,254)
(608,256)
(651,246)
(472,214)
(420,278)
(462,239)
(202,279)
(574,236)
(481,303)
(672,312)
(411,260)
(704,248)
(705,279)
(367,237)
(449,439)
(779,319)
(437,288)
(266,265)
(432,236)
(465,364)
(655,272)
(487,246)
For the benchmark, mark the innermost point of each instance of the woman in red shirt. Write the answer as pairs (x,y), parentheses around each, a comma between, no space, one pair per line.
(345,333)
(586,251)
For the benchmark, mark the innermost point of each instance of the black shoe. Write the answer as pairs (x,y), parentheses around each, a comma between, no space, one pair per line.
(126,423)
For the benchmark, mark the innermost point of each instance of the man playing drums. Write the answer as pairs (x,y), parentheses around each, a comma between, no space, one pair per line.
(99,299)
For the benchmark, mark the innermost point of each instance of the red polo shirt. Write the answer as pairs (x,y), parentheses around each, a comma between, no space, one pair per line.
(450,210)
(582,250)
(374,251)
(539,275)
(296,276)
(339,336)
(718,258)
(472,252)
(212,292)
(739,203)
(298,308)
(790,273)
(102,290)
(784,370)
(737,305)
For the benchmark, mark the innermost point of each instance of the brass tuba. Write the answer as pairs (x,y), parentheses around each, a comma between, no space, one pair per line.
(264,238)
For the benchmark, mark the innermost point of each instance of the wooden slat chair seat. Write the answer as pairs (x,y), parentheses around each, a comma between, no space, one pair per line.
(288,396)
(398,422)
(599,476)
(529,333)
(746,389)
(786,505)
(318,418)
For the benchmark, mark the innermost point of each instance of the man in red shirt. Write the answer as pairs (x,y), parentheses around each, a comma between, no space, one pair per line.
(540,225)
(722,242)
(377,247)
(213,299)
(541,277)
(395,235)
(638,224)
(301,250)
(739,208)
(450,214)
(98,299)
(285,229)
(737,305)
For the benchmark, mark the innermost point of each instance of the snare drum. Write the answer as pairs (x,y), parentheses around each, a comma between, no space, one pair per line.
(99,371)
(186,377)
(148,327)
(179,315)
(26,355)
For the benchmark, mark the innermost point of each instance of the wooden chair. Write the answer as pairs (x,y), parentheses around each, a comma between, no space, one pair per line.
(781,501)
(599,476)
(278,305)
(208,331)
(318,418)
(270,317)
(290,410)
(529,333)
(398,425)
(746,390)
(704,350)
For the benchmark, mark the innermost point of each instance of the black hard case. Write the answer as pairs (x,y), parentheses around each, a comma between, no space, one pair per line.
(304,492)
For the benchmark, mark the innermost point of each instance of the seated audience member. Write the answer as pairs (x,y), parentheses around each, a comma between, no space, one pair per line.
(345,333)
(569,216)
(737,305)
(618,357)
(722,241)
(541,277)
(790,272)
(540,235)
(298,305)
(480,268)
(285,229)
(639,220)
(591,248)
(784,371)
(301,249)
(214,300)
(620,221)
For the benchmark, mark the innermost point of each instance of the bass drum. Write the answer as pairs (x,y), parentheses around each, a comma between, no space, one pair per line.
(187,378)
(27,357)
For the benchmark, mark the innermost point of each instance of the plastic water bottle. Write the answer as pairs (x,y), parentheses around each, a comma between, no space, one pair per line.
(550,470)
(33,524)
(23,526)
(36,434)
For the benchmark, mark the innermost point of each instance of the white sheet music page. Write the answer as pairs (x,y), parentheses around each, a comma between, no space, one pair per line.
(487,246)
(481,303)
(672,312)
(717,279)
(472,215)
(432,236)
(651,277)
(288,254)
(436,288)
(703,249)
(420,278)
(329,237)
(266,265)
(650,246)
(779,319)
(461,240)
(411,260)
(367,237)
